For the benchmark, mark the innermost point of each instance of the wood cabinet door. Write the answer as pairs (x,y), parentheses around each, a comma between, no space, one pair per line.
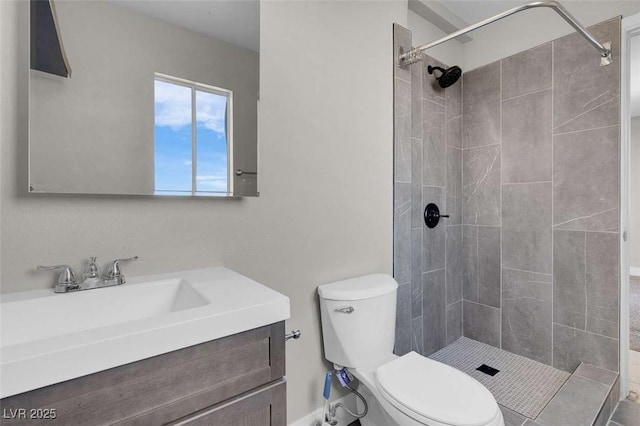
(263,407)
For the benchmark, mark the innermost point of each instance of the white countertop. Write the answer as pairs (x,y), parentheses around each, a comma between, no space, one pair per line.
(76,341)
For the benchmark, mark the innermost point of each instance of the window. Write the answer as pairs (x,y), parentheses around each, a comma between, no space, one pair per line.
(192,138)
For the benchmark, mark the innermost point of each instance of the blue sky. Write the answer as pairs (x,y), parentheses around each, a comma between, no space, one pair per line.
(173,157)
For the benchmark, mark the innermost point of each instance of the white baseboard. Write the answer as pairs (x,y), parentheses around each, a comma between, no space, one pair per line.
(635,271)
(315,418)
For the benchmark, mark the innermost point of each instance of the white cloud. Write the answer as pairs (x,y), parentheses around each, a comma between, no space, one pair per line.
(212,182)
(173,108)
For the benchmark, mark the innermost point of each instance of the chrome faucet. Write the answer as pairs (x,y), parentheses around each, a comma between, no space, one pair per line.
(114,274)
(91,278)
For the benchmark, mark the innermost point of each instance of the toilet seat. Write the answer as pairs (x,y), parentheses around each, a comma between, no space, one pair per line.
(434,393)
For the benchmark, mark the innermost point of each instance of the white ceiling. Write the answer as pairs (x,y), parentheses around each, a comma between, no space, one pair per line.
(473,11)
(234,21)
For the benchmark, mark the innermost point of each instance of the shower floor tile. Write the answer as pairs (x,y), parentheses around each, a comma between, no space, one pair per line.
(522,385)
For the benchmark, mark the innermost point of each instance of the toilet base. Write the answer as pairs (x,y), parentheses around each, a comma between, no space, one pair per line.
(382,413)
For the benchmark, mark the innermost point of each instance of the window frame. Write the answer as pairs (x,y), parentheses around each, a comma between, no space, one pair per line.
(195,86)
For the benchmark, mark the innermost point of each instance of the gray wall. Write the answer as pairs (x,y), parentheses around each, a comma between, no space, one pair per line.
(93,133)
(325,210)
(540,178)
(536,255)
(634,217)
(428,169)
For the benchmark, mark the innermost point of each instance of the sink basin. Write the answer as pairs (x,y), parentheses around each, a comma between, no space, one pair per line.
(91,309)
(48,338)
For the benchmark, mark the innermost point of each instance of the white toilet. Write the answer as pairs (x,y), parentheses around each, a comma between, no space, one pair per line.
(358,326)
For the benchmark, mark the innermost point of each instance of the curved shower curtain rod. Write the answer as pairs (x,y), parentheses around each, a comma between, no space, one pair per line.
(415,54)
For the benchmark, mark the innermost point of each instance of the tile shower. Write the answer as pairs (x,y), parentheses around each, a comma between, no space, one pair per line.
(523,154)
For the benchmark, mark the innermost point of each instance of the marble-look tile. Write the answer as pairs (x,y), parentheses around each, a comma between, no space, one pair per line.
(470,259)
(416,272)
(402,148)
(602,283)
(402,98)
(576,403)
(403,320)
(600,375)
(586,95)
(454,322)
(526,314)
(481,106)
(416,335)
(527,72)
(433,142)
(433,115)
(489,265)
(526,138)
(431,89)
(434,311)
(572,346)
(526,227)
(481,323)
(453,100)
(402,233)
(454,187)
(433,162)
(417,207)
(569,271)
(401,40)
(453,132)
(627,413)
(433,245)
(614,395)
(454,263)
(585,180)
(481,186)
(416,100)
(511,418)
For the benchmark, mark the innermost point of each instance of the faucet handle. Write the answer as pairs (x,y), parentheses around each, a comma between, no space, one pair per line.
(93,270)
(114,269)
(66,279)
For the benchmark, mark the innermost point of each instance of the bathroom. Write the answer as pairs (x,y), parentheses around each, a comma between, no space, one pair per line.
(325,158)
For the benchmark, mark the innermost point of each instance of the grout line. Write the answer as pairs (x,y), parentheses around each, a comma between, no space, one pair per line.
(477,262)
(585,130)
(446,276)
(525,183)
(582,230)
(501,206)
(530,93)
(529,272)
(486,306)
(481,146)
(553,280)
(590,332)
(586,299)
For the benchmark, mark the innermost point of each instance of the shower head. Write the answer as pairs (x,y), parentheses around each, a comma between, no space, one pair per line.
(448,76)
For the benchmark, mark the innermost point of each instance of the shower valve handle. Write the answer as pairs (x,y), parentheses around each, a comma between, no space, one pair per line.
(432,215)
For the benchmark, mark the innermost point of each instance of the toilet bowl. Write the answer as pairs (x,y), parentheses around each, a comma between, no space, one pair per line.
(358,326)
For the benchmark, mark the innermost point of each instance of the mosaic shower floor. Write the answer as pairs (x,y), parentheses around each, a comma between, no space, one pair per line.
(522,385)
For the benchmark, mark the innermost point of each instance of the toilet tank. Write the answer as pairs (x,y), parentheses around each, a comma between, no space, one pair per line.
(358,320)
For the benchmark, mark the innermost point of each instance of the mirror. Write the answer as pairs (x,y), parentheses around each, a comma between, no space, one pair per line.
(144,97)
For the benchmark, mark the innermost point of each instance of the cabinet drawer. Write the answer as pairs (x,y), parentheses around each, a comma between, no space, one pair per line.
(164,388)
(263,407)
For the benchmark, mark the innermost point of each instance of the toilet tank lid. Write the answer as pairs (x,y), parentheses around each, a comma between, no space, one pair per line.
(365,287)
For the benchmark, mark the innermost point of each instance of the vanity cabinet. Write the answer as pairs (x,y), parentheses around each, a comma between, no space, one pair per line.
(233,381)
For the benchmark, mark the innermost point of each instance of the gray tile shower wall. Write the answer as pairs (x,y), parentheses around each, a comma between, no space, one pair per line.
(523,155)
(428,263)
(540,168)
